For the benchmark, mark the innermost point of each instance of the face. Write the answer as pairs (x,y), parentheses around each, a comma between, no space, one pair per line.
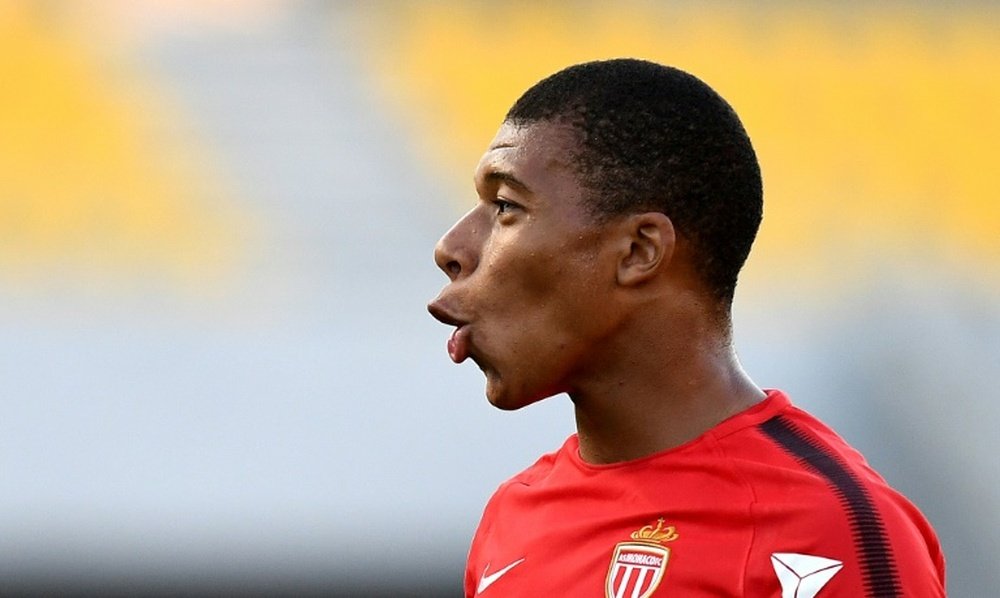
(530,270)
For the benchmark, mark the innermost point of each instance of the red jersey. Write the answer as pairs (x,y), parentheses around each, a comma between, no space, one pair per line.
(770,502)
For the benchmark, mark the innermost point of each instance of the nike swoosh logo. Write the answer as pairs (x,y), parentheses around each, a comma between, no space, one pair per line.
(803,575)
(487,580)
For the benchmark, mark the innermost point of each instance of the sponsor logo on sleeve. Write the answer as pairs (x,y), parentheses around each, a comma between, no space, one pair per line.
(803,575)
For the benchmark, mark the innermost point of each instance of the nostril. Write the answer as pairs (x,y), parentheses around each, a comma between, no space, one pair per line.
(453,267)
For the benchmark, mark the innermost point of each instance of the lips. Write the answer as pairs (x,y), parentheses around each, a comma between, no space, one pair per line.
(458,343)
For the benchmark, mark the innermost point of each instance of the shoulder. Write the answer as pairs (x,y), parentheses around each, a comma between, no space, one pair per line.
(535,474)
(542,469)
(506,503)
(817,501)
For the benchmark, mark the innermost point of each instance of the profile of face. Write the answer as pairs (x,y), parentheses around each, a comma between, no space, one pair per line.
(531,272)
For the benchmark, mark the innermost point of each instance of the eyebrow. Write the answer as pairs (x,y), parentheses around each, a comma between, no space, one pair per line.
(499,176)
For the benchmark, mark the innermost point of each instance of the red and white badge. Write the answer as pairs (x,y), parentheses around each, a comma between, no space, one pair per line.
(637,567)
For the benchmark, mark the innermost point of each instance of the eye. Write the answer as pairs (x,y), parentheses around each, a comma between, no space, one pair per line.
(503,206)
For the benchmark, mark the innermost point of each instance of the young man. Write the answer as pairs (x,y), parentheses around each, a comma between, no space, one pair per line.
(617,204)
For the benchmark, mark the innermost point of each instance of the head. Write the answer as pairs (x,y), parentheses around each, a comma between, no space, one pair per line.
(654,138)
(607,184)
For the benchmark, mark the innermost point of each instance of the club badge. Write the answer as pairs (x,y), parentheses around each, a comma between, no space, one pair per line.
(637,567)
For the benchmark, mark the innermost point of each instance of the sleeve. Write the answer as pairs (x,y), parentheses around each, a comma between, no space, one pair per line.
(854,547)
(474,565)
(470,580)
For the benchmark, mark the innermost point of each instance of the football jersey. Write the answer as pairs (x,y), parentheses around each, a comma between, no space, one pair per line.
(770,502)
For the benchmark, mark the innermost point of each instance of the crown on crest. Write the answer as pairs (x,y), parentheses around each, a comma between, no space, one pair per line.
(656,535)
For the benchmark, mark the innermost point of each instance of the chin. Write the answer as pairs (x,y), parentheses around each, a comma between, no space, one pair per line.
(503,401)
(503,398)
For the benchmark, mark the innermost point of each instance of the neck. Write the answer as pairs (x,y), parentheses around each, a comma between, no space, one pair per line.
(645,401)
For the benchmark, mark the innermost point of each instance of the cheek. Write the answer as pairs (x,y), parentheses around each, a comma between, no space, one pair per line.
(544,295)
(529,297)
(546,304)
(518,270)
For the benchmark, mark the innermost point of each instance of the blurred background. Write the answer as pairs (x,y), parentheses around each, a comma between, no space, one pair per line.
(216,226)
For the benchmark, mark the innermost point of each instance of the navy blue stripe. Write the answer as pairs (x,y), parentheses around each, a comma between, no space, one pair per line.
(878,567)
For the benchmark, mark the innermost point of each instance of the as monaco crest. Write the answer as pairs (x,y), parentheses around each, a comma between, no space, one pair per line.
(637,567)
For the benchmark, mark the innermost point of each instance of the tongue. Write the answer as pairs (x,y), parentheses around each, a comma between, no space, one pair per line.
(458,345)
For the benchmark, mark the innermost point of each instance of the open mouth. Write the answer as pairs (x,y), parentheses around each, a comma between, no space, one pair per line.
(458,343)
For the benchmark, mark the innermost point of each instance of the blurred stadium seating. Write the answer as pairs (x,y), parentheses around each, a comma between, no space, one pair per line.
(217,218)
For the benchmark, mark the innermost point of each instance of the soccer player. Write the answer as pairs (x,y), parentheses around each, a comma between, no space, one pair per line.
(617,204)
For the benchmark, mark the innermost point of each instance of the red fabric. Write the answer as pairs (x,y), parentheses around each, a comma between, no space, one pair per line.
(733,496)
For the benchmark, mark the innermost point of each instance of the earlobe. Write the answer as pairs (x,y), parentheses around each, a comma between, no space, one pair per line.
(647,246)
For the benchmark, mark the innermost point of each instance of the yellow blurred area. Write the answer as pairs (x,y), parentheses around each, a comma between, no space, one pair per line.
(95,180)
(875,125)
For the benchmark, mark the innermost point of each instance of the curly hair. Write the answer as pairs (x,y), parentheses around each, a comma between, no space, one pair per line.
(655,138)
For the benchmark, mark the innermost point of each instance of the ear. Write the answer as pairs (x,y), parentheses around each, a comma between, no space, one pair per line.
(647,245)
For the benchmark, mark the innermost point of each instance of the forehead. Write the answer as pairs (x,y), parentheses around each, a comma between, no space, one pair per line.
(536,155)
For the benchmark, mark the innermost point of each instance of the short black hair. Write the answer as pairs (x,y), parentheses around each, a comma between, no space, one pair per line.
(654,138)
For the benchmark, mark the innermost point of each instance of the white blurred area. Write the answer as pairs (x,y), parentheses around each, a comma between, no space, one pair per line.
(216,367)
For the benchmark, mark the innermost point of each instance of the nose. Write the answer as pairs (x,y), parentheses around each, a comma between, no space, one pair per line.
(456,252)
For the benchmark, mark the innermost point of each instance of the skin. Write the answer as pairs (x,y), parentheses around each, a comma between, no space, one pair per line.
(547,299)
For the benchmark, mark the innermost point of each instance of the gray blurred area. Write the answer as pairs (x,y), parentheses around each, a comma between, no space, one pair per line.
(304,431)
